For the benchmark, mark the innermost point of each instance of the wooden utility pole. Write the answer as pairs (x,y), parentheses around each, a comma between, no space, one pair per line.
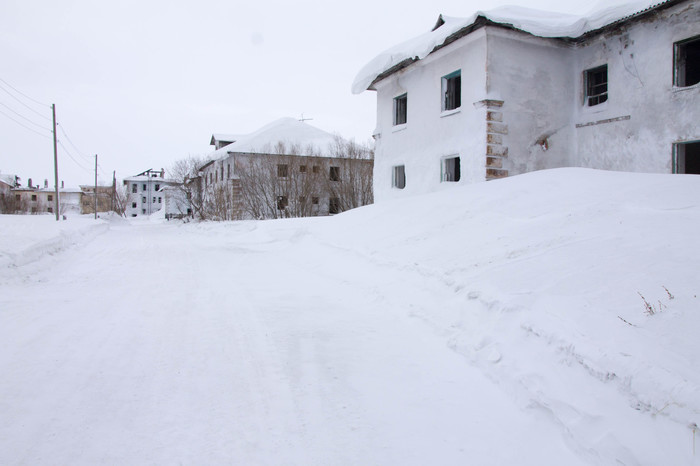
(114,188)
(95,186)
(55,159)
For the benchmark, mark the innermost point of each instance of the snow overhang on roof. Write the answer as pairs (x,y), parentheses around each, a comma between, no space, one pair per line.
(535,22)
(229,138)
(307,139)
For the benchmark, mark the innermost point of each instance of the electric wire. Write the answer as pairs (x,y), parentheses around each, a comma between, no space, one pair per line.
(25,126)
(60,126)
(23,94)
(27,106)
(24,117)
(73,158)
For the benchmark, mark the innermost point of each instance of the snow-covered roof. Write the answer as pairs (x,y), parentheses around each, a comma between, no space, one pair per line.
(536,22)
(289,131)
(223,137)
(7,179)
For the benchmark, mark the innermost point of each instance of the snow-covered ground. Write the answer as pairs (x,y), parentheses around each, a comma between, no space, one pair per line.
(497,323)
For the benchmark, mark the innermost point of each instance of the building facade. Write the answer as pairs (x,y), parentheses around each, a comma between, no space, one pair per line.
(145,192)
(504,93)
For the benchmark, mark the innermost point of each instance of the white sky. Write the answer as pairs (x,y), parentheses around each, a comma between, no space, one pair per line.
(143,84)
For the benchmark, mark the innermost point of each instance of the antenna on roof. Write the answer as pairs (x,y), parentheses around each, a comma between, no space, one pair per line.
(302,119)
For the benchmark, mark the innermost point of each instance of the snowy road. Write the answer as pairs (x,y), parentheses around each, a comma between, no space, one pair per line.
(240,344)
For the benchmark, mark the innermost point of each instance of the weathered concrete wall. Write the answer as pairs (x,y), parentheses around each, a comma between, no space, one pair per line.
(648,112)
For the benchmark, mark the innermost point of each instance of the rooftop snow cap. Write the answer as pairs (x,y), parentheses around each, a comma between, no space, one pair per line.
(536,22)
(289,131)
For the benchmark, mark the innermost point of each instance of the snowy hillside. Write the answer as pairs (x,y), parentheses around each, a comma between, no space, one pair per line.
(545,319)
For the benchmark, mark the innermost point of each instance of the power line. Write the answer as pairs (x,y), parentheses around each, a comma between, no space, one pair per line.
(23,94)
(24,117)
(30,108)
(25,126)
(73,158)
(71,142)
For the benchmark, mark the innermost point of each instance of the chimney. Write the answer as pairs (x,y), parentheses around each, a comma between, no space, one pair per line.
(61,184)
(29,183)
(46,183)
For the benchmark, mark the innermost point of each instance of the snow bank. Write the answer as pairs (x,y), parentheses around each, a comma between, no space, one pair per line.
(27,238)
(536,22)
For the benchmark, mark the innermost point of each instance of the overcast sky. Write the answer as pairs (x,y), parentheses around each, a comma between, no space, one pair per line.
(143,83)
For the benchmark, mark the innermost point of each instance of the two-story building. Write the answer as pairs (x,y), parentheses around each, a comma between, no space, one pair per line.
(513,90)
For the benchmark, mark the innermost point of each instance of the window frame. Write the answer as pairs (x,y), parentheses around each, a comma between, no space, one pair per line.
(334,173)
(451,91)
(680,61)
(398,176)
(592,96)
(401,109)
(282,170)
(444,178)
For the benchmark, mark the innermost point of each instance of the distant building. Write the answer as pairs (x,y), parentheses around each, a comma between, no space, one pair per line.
(145,192)
(285,169)
(105,195)
(34,199)
(513,90)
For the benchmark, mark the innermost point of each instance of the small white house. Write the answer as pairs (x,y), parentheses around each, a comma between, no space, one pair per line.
(144,191)
(514,90)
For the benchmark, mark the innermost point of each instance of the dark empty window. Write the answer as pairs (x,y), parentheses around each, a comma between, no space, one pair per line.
(49,197)
(399,177)
(597,85)
(687,158)
(334,205)
(282,202)
(400,103)
(157,187)
(33,197)
(134,188)
(282,171)
(317,169)
(133,205)
(452,91)
(143,211)
(143,199)
(302,168)
(687,62)
(314,200)
(144,187)
(49,209)
(451,169)
(334,173)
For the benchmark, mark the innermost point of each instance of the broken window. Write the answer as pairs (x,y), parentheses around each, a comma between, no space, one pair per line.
(334,205)
(452,91)
(451,169)
(282,170)
(33,197)
(334,173)
(400,109)
(157,187)
(134,188)
(596,85)
(282,202)
(144,187)
(399,177)
(687,62)
(133,205)
(687,158)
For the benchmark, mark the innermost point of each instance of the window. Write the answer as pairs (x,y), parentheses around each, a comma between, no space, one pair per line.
(282,202)
(596,85)
(687,158)
(49,209)
(314,200)
(157,187)
(154,199)
(134,188)
(143,199)
(160,201)
(399,177)
(451,169)
(143,188)
(334,205)
(133,215)
(49,198)
(302,200)
(133,205)
(334,173)
(17,197)
(143,211)
(282,170)
(316,169)
(400,109)
(33,197)
(228,170)
(302,168)
(687,62)
(452,91)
